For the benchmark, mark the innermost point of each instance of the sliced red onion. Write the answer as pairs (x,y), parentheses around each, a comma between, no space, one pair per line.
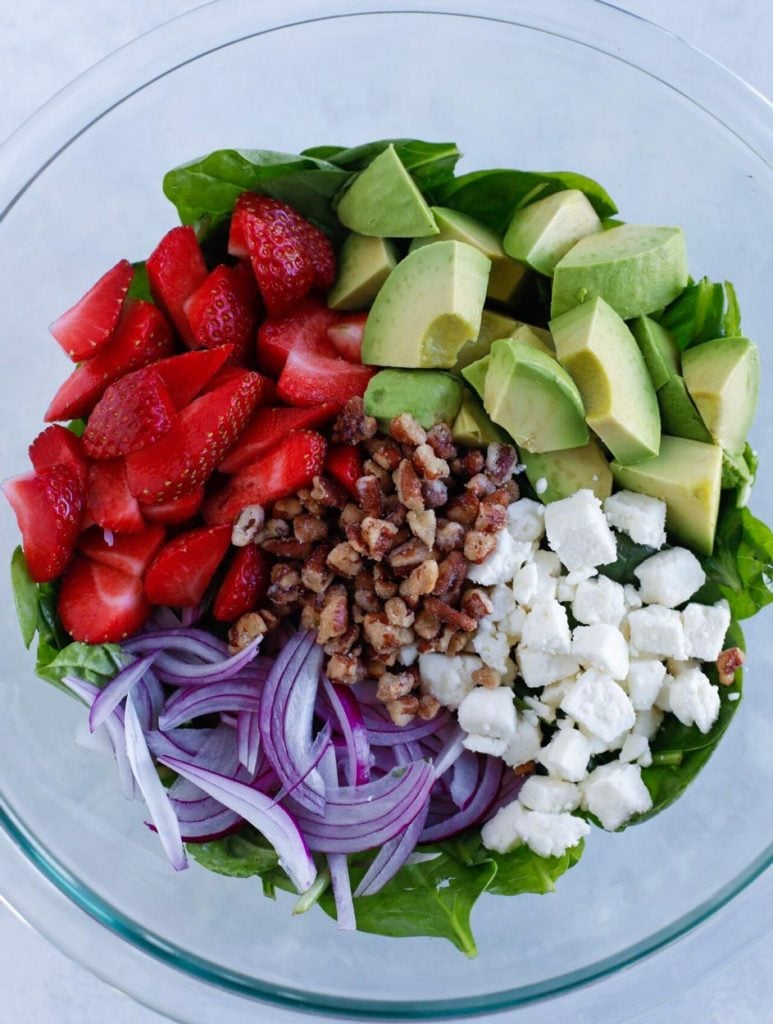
(229,695)
(401,753)
(508,791)
(320,746)
(230,719)
(165,618)
(173,670)
(486,793)
(342,891)
(448,754)
(177,742)
(194,642)
(392,856)
(248,738)
(114,726)
(349,718)
(115,691)
(150,785)
(382,731)
(190,616)
(271,820)
(464,778)
(222,822)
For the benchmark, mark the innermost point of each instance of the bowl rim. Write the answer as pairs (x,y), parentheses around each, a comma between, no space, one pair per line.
(720,93)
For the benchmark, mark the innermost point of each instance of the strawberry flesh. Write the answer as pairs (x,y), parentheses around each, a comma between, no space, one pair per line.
(131,553)
(302,329)
(99,604)
(188,374)
(59,446)
(244,586)
(224,309)
(134,412)
(176,268)
(346,336)
(171,513)
(181,572)
(270,426)
(311,379)
(87,327)
(49,508)
(344,464)
(109,503)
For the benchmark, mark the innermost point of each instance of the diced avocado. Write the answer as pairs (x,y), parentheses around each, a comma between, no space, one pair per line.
(533,398)
(475,374)
(678,414)
(430,396)
(492,326)
(636,268)
(594,345)
(659,349)
(473,427)
(364,263)
(428,307)
(541,233)
(384,200)
(723,378)
(506,276)
(687,475)
(735,471)
(574,469)
(536,337)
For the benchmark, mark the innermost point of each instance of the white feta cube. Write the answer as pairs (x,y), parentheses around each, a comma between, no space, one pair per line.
(501,564)
(578,531)
(484,744)
(548,835)
(705,627)
(525,583)
(525,745)
(567,755)
(547,628)
(408,655)
(548,563)
(502,600)
(670,577)
(694,700)
(539,668)
(636,748)
(641,517)
(648,722)
(551,796)
(554,693)
(510,672)
(632,598)
(599,704)
(448,679)
(565,591)
(643,682)
(657,630)
(492,647)
(526,520)
(489,713)
(599,746)
(599,600)
(663,699)
(614,793)
(512,626)
(675,668)
(541,710)
(579,575)
(603,647)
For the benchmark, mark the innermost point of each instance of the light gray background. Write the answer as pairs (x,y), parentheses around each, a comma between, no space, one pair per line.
(45,43)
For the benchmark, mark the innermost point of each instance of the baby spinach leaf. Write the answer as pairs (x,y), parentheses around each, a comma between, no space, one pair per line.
(242,855)
(629,556)
(94,663)
(522,870)
(430,163)
(25,596)
(139,287)
(741,565)
(705,310)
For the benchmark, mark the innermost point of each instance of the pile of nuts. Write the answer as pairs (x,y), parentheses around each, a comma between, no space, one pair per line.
(382,578)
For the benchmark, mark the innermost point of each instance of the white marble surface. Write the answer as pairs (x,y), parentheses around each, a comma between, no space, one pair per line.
(43,44)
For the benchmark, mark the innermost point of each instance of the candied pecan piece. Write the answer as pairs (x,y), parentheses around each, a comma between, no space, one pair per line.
(328,493)
(428,465)
(334,616)
(406,430)
(344,644)
(383,476)
(403,710)
(478,545)
(449,536)
(384,586)
(354,535)
(309,528)
(476,603)
(286,587)
(427,625)
(344,668)
(352,424)
(244,631)
(728,663)
(311,504)
(309,616)
(370,497)
(491,518)
(499,497)
(394,510)
(408,486)
(501,460)
(385,453)
(248,525)
(315,574)
(421,581)
(487,677)
(457,642)
(287,508)
(293,549)
(392,685)
(469,464)
(398,613)
(434,492)
(452,616)
(424,526)
(428,707)
(480,485)
(344,559)
(451,575)
(404,558)
(382,636)
(512,489)
(441,439)
(351,514)
(527,768)
(378,535)
(274,529)
(463,509)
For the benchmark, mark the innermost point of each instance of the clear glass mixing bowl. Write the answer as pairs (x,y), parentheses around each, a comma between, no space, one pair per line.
(556,84)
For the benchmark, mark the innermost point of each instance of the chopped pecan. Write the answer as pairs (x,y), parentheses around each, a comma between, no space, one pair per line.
(344,668)
(478,545)
(287,508)
(375,668)
(378,535)
(343,644)
(352,424)
(274,529)
(428,707)
(487,677)
(309,616)
(398,613)
(328,493)
(434,492)
(527,768)
(247,526)
(476,603)
(351,514)
(394,510)
(244,631)
(384,586)
(344,559)
(315,575)
(491,518)
(501,460)
(457,642)
(391,686)
(311,504)
(480,485)
(309,528)
(365,595)
(406,430)
(427,625)
(428,465)
(385,453)
(293,549)
(383,637)
(469,464)
(370,497)
(424,526)
(512,489)
(354,535)
(449,536)
(463,509)
(286,587)
(383,476)
(421,581)
(408,486)
(358,614)
(442,441)
(499,497)
(728,663)
(452,572)
(455,618)
(403,710)
(334,617)
(404,558)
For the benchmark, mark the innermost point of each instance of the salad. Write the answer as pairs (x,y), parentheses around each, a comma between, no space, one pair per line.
(393,526)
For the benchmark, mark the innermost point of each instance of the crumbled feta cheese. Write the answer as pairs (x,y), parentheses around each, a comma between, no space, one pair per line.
(657,630)
(600,704)
(489,714)
(548,563)
(541,485)
(548,571)
(599,746)
(547,628)
(567,755)
(408,655)
(694,700)
(603,647)
(554,693)
(525,745)
(632,599)
(565,591)
(499,566)
(578,532)
(512,626)
(734,696)
(548,835)
(543,711)
(675,667)
(636,748)
(526,520)
(579,575)
(485,744)
(492,647)
(641,517)
(525,583)
(552,796)
(643,682)
(448,679)
(614,792)
(669,578)
(599,600)
(502,600)
(705,627)
(648,722)
(539,668)
(663,699)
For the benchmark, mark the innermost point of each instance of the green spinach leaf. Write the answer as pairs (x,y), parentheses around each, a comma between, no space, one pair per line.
(705,310)
(242,855)
(629,555)
(522,870)
(139,287)
(741,566)
(430,163)
(94,663)
(25,596)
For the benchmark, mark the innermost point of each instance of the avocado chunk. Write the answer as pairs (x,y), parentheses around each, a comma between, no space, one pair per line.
(568,471)
(506,276)
(636,268)
(687,475)
(723,378)
(428,307)
(535,337)
(533,398)
(384,200)
(659,349)
(678,414)
(364,263)
(430,396)
(493,325)
(475,374)
(473,427)
(541,233)
(594,345)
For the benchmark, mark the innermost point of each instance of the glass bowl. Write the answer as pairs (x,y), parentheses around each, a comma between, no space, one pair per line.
(556,84)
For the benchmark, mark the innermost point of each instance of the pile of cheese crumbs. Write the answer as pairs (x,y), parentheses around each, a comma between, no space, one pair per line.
(601,687)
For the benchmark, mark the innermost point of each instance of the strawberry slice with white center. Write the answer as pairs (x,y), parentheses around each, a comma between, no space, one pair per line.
(172,513)
(86,328)
(346,336)
(188,374)
(59,446)
(100,604)
(132,553)
(182,570)
(224,309)
(269,427)
(49,508)
(176,268)
(244,586)
(304,329)
(134,412)
(109,503)
(310,379)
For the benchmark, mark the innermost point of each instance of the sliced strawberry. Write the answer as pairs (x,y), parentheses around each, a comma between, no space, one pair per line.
(321,254)
(173,512)
(266,388)
(57,446)
(109,503)
(282,471)
(244,586)
(304,329)
(188,374)
(181,571)
(131,553)
(309,379)
(224,310)
(346,336)
(184,458)
(143,335)
(270,426)
(86,328)
(49,509)
(99,604)
(176,268)
(134,412)
(344,464)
